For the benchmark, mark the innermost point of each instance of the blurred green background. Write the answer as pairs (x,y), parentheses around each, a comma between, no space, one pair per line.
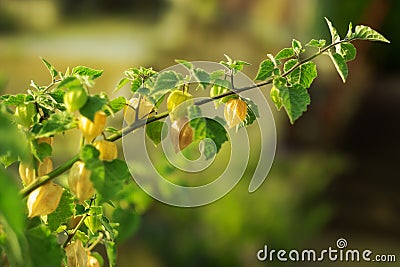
(336,170)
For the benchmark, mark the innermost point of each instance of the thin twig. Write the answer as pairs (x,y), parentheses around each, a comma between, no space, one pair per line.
(82,220)
(98,239)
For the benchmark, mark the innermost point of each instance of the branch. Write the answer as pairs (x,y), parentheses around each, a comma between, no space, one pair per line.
(48,177)
(140,123)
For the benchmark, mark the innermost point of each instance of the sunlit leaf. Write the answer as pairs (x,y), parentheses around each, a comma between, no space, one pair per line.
(317,43)
(56,124)
(265,70)
(85,71)
(340,65)
(297,47)
(154,131)
(93,104)
(347,51)
(295,98)
(207,128)
(52,70)
(334,34)
(64,211)
(44,248)
(363,32)
(285,53)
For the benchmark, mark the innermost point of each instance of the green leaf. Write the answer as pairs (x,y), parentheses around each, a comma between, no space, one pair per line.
(121,83)
(89,154)
(112,130)
(117,175)
(225,85)
(128,223)
(44,248)
(13,143)
(52,70)
(252,112)
(8,160)
(289,64)
(93,222)
(108,177)
(340,65)
(111,253)
(79,235)
(265,70)
(285,53)
(185,63)
(275,97)
(350,33)
(202,77)
(116,105)
(69,82)
(93,104)
(12,209)
(13,100)
(333,31)
(136,85)
(138,76)
(165,82)
(317,43)
(303,75)
(57,123)
(42,150)
(207,128)
(241,63)
(193,112)
(235,65)
(85,71)
(15,246)
(220,87)
(36,86)
(106,223)
(297,47)
(363,32)
(79,210)
(58,96)
(64,211)
(347,51)
(154,131)
(218,74)
(143,91)
(295,98)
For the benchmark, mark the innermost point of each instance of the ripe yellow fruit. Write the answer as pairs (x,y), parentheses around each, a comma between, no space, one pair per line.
(235,112)
(44,199)
(145,107)
(45,167)
(175,99)
(92,129)
(93,262)
(79,181)
(76,254)
(181,134)
(27,173)
(108,150)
